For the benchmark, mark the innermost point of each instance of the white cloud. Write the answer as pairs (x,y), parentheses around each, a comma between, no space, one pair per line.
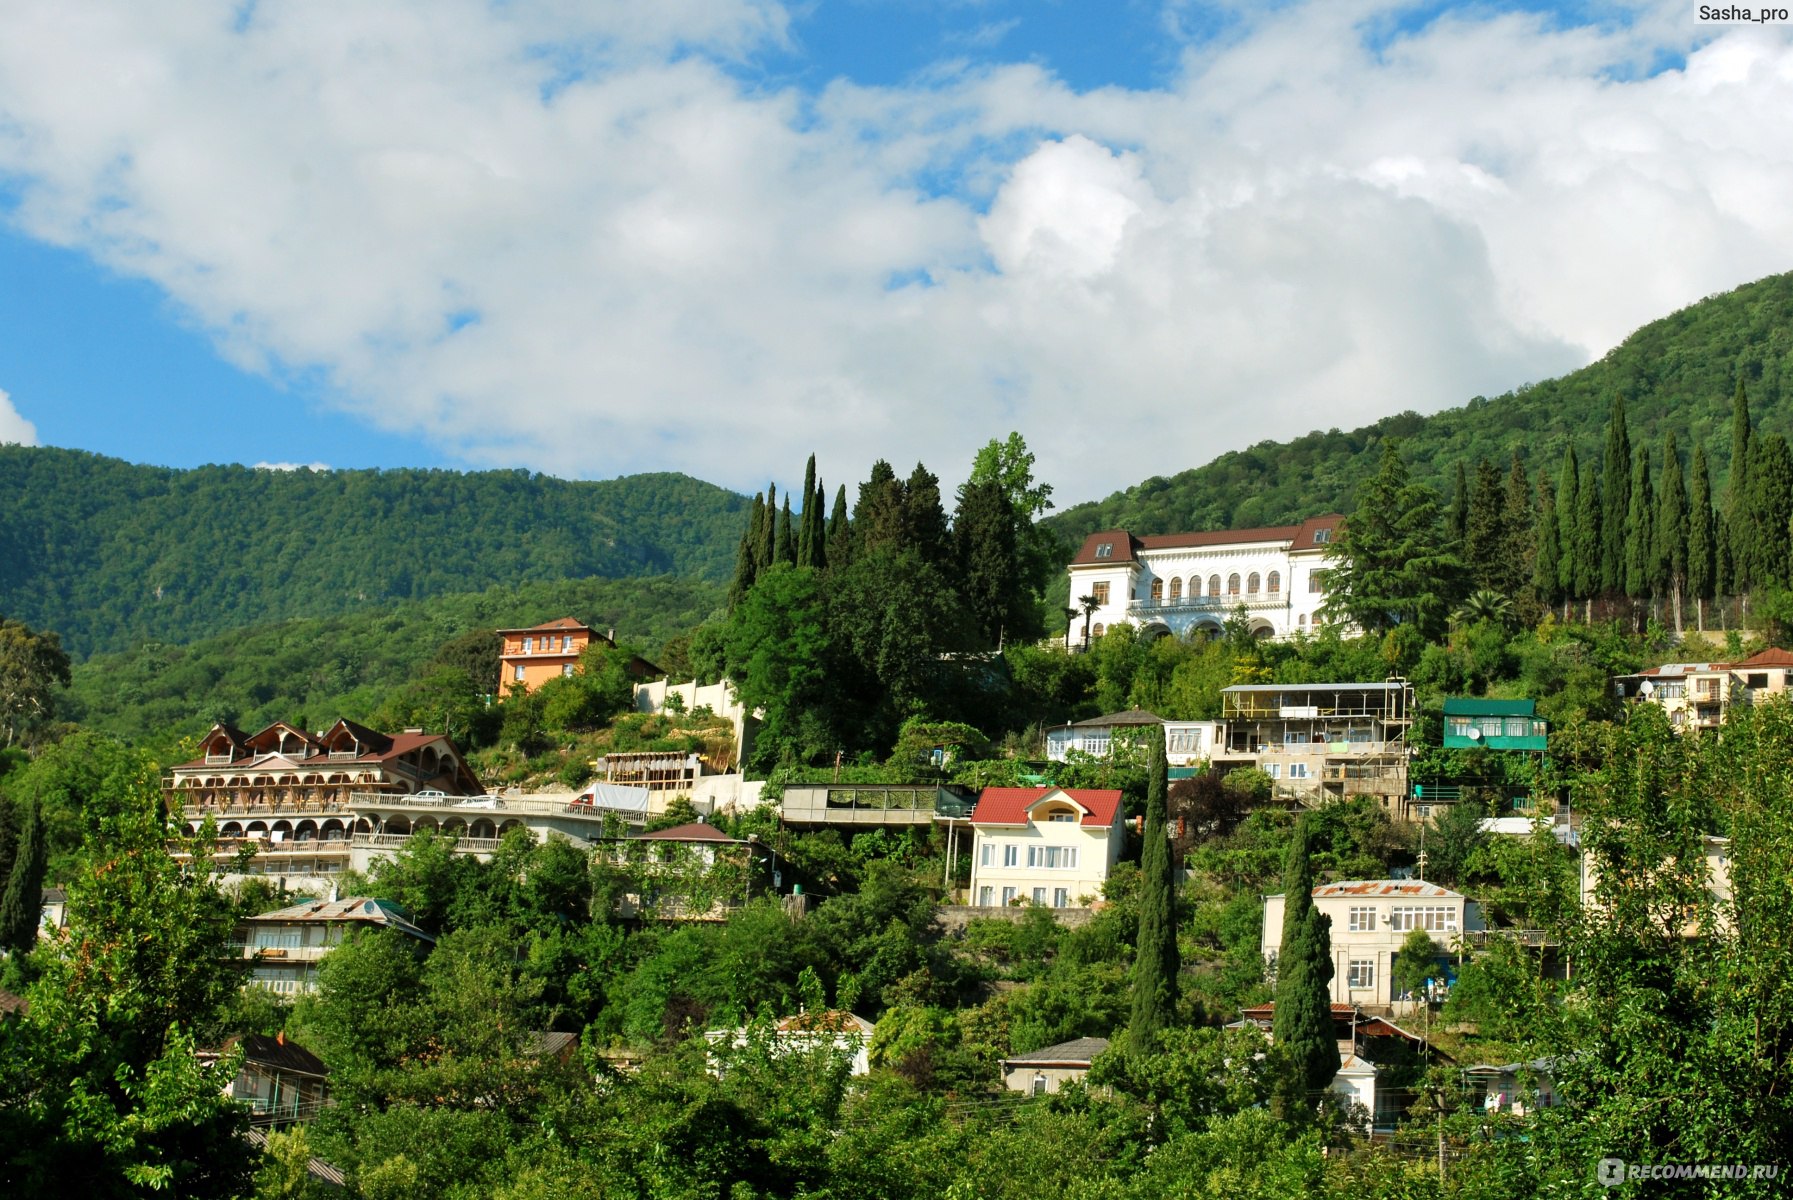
(291,466)
(565,236)
(16,429)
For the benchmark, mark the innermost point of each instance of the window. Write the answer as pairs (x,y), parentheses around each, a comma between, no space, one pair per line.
(1297,770)
(1097,632)
(1039,1084)
(1404,918)
(566,669)
(1061,898)
(1008,896)
(1362,919)
(1213,585)
(1273,585)
(1301,620)
(1157,590)
(1315,584)
(1251,583)
(1362,973)
(1232,585)
(1176,589)
(983,897)
(1274,770)
(1104,549)
(1322,536)
(1099,593)
(1039,897)
(1011,855)
(985,854)
(528,645)
(1052,857)
(1757,681)
(518,673)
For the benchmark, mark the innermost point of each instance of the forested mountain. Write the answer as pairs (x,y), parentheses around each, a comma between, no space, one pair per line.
(110,554)
(308,670)
(1679,373)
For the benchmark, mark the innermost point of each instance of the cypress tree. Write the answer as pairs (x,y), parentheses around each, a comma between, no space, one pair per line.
(989,563)
(924,518)
(747,553)
(1547,566)
(784,547)
(1700,532)
(1588,536)
(815,519)
(840,531)
(22,905)
(1668,558)
(1485,545)
(1519,529)
(1568,510)
(1762,555)
(1615,499)
(1457,522)
(1640,527)
(1737,483)
(878,514)
(1724,579)
(1302,1025)
(1155,963)
(769,529)
(805,532)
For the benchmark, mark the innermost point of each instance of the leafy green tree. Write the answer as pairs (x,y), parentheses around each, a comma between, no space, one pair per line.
(1302,1026)
(1615,499)
(32,667)
(1454,842)
(1394,567)
(878,514)
(779,656)
(101,1093)
(1415,962)
(1156,963)
(747,554)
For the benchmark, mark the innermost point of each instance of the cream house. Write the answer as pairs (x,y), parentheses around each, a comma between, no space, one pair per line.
(1370,920)
(1048,846)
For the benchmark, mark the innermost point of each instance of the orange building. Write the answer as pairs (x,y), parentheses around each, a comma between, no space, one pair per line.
(531,657)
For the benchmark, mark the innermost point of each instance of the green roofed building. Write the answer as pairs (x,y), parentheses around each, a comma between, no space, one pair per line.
(1493,724)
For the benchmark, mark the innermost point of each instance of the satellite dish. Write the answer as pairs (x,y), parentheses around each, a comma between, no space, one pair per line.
(1474,734)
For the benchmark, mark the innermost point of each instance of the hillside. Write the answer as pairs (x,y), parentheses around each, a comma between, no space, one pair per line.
(110,554)
(315,669)
(1678,373)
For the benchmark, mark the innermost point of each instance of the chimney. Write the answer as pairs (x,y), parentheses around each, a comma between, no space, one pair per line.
(280,1038)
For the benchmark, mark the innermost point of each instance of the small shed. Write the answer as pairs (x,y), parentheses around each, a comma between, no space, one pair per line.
(1042,1072)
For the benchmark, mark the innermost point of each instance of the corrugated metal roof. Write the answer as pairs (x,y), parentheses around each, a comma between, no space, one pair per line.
(1463,706)
(1076,1053)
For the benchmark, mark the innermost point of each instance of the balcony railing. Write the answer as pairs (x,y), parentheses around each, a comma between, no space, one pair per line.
(1212,604)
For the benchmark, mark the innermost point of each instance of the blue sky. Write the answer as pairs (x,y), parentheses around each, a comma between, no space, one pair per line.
(714,235)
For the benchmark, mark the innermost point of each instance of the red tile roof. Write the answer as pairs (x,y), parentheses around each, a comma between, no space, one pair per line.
(1010,806)
(1126,547)
(1772,657)
(692,831)
(558,624)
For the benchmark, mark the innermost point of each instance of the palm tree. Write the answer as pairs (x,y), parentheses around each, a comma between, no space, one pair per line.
(1485,604)
(1089,606)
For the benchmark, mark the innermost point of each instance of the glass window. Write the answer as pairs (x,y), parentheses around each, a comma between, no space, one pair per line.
(1363,919)
(1251,583)
(1099,593)
(1011,855)
(1273,585)
(1213,585)
(528,645)
(983,897)
(518,676)
(1314,584)
(1039,896)
(1061,898)
(1176,589)
(1232,585)
(1297,770)
(1105,550)
(1097,632)
(1322,536)
(1363,973)
(1157,589)
(984,855)
(1008,895)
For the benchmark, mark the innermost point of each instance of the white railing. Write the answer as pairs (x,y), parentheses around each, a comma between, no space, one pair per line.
(1220,604)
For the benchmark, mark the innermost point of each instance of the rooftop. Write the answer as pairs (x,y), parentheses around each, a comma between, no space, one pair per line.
(1409,889)
(691,831)
(1010,806)
(1077,1053)
(1118,546)
(1133,716)
(1463,706)
(362,909)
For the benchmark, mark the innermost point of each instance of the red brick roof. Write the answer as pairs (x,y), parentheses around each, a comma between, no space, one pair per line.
(558,624)
(1010,806)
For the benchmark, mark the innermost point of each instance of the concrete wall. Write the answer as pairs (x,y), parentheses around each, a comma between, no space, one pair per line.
(953,918)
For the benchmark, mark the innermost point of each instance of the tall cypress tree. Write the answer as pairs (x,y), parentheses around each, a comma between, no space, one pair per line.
(769,529)
(784,547)
(1668,557)
(806,541)
(1615,499)
(1457,522)
(1518,529)
(1737,482)
(1547,565)
(989,562)
(1701,535)
(1762,554)
(1302,1025)
(815,517)
(21,906)
(1724,578)
(1155,963)
(1589,537)
(840,531)
(747,554)
(1568,513)
(1640,529)
(1485,545)
(878,514)
(924,518)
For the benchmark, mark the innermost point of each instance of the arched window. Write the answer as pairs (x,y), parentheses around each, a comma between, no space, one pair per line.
(1274,584)
(1251,585)
(1232,584)
(1301,620)
(1176,589)
(1213,585)
(1157,590)
(1097,631)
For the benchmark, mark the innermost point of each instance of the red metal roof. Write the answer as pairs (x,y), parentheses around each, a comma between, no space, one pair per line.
(1010,806)
(558,624)
(1125,547)
(693,831)
(1774,656)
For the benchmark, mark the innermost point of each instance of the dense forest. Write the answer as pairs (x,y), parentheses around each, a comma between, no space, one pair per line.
(1678,375)
(109,554)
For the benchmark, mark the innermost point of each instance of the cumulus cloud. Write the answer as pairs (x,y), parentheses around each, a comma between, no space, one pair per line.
(13,427)
(291,466)
(571,237)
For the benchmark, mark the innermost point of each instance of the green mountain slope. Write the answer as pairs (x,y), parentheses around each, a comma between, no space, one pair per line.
(315,669)
(110,554)
(1678,373)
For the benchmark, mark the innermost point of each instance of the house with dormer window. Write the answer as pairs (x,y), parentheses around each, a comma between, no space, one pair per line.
(1053,847)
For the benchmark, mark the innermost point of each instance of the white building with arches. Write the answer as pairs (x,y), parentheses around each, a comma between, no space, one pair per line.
(1179,583)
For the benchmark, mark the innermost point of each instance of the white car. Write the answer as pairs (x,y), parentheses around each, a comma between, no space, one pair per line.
(429,796)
